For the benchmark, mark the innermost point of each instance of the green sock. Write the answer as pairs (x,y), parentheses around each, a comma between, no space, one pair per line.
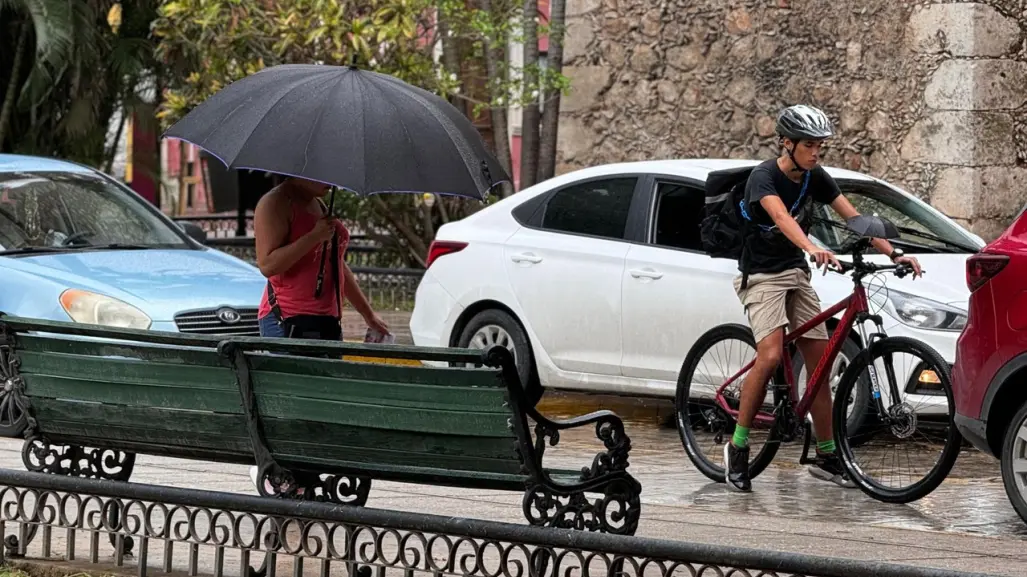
(826,446)
(741,436)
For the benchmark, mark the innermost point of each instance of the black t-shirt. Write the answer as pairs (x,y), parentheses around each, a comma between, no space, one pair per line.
(770,251)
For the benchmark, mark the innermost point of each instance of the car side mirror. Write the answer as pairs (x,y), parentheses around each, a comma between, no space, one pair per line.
(194,231)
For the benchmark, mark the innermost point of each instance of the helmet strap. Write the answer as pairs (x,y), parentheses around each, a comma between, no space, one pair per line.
(791,155)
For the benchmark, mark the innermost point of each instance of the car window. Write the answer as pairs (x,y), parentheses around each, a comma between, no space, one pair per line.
(52,209)
(679,209)
(596,208)
(882,201)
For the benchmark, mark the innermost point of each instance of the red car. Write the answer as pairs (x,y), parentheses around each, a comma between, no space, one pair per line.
(990,374)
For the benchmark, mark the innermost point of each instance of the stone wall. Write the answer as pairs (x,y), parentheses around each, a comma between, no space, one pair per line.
(929,96)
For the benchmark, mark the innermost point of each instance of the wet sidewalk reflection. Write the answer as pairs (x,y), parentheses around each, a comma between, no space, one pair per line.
(972,500)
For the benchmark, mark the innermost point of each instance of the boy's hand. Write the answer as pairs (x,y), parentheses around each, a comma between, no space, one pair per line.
(824,257)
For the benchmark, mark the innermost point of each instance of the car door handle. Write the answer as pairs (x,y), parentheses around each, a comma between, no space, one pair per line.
(646,273)
(526,257)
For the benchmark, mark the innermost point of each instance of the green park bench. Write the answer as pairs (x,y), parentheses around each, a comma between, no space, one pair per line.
(317,426)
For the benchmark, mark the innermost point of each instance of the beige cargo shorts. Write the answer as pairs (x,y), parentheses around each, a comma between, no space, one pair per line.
(783,299)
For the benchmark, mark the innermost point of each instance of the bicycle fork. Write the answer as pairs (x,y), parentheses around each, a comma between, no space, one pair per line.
(875,383)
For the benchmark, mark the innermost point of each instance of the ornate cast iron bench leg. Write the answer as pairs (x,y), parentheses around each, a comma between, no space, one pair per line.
(553,504)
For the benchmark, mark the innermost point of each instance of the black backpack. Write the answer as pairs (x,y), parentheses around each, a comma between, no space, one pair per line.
(724,227)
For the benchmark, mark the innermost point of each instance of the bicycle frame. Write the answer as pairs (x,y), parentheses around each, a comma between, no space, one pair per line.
(854,306)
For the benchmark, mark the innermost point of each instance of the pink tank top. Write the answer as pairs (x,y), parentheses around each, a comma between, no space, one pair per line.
(294,288)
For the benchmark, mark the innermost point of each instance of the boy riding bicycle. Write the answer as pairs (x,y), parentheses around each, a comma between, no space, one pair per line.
(774,286)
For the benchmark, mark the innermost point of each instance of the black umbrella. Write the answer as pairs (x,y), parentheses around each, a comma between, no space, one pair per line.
(872,226)
(354,129)
(360,130)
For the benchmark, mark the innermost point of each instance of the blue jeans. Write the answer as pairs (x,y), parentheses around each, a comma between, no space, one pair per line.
(270,327)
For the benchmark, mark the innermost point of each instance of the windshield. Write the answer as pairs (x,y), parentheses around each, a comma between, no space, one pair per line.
(877,200)
(64,210)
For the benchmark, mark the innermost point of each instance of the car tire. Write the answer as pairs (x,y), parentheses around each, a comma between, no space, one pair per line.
(1014,448)
(494,326)
(863,410)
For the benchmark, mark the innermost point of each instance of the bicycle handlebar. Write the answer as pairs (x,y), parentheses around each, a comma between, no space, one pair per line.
(900,270)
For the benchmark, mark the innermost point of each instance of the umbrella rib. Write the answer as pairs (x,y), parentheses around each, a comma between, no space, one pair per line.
(387,98)
(317,121)
(268,114)
(463,150)
(224,119)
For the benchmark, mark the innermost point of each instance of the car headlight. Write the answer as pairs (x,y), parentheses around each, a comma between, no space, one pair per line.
(921,312)
(98,309)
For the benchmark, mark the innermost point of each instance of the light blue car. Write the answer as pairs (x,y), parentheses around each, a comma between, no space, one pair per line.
(77,245)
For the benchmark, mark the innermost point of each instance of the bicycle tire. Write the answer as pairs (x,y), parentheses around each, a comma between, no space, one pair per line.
(950,452)
(714,470)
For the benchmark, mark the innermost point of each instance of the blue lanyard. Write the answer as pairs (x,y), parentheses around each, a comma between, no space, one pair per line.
(795,205)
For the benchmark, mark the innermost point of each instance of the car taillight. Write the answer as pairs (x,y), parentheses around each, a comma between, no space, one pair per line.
(980,268)
(441,248)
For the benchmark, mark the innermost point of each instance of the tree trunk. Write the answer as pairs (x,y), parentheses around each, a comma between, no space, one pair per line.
(530,114)
(495,56)
(450,55)
(551,112)
(14,83)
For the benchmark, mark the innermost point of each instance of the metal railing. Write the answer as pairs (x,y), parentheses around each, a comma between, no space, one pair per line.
(150,527)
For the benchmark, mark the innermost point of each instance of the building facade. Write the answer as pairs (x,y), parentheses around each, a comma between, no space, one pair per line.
(929,95)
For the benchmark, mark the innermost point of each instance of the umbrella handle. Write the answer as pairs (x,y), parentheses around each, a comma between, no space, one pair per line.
(324,251)
(321,269)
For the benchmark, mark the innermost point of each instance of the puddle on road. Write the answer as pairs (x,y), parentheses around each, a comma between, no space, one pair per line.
(972,500)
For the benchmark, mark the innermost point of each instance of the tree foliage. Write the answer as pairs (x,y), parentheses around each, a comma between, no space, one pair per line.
(207,44)
(66,68)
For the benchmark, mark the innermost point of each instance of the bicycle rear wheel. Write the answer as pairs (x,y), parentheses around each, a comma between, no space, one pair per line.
(703,425)
(913,387)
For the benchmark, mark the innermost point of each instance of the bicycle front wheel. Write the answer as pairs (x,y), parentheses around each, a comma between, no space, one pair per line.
(910,445)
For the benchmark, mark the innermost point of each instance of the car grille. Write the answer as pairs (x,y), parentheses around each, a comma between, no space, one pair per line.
(211,322)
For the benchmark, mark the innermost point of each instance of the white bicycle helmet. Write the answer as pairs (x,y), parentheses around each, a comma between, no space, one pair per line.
(801,122)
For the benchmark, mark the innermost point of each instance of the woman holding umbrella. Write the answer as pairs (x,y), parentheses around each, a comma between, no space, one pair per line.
(358,130)
(292,228)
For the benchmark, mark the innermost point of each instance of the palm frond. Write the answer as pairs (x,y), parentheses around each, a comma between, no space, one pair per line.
(81,117)
(38,86)
(54,27)
(129,57)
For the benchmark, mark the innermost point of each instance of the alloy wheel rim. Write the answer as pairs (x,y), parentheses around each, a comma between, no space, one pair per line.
(492,335)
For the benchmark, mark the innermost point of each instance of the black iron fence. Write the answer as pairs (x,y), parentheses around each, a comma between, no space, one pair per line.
(153,528)
(221,226)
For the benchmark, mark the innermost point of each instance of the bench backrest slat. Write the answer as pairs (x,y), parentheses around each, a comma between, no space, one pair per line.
(374,384)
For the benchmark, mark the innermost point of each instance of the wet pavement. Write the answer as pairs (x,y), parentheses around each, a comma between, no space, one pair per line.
(972,500)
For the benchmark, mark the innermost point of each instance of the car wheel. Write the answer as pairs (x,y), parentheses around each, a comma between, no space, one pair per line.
(860,407)
(1014,462)
(495,327)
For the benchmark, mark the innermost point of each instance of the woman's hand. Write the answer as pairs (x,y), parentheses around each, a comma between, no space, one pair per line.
(377,323)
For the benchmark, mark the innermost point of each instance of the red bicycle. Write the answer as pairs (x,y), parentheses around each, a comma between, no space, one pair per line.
(890,401)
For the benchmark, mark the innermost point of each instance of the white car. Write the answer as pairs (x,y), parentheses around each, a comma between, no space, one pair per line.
(597,281)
